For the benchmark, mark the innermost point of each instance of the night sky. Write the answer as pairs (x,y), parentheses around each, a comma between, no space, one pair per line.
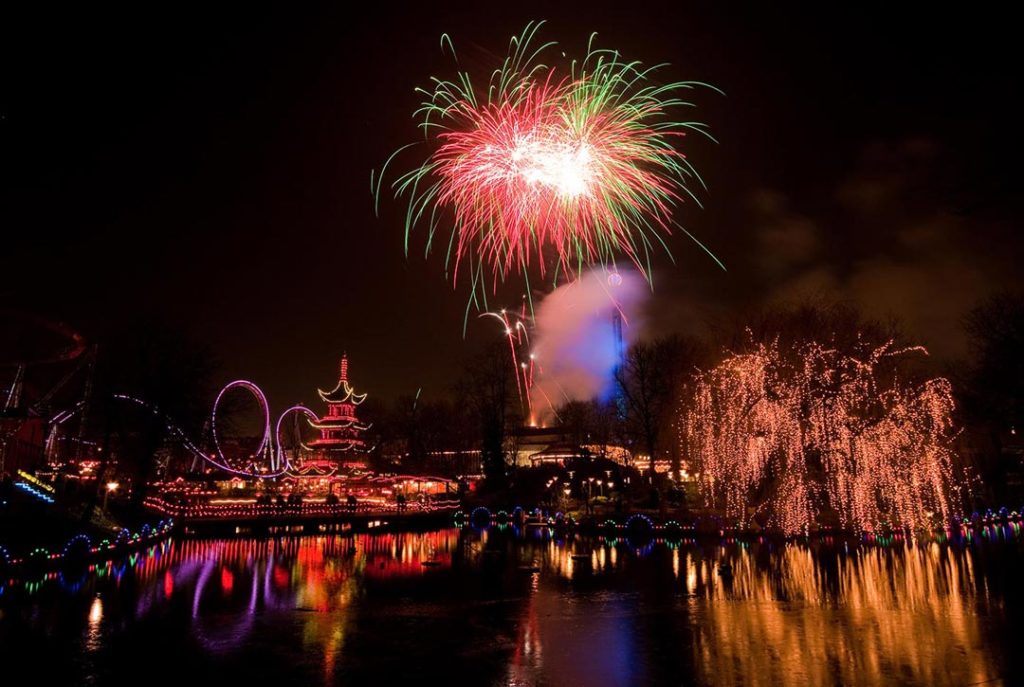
(210,169)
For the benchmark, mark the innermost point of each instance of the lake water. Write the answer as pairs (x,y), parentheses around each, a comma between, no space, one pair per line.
(364,609)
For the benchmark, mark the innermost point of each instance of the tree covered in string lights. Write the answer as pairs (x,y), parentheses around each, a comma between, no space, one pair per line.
(841,430)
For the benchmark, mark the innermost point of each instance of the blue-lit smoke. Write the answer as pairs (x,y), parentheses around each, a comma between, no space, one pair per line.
(574,337)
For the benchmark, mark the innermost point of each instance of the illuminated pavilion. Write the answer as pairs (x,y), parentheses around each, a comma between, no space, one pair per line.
(340,444)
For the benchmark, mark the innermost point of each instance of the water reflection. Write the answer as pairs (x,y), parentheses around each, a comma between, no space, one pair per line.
(501,606)
(870,615)
(92,637)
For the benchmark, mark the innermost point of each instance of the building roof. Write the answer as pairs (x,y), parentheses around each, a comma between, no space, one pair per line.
(559,451)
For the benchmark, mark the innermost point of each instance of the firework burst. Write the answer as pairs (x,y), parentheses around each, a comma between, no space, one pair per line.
(561,169)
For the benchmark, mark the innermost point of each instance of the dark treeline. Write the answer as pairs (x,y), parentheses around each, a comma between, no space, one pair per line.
(473,426)
(482,411)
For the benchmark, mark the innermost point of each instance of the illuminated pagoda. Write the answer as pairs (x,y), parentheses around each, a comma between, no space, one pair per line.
(340,444)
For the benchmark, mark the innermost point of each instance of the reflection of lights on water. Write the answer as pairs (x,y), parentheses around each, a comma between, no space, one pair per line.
(602,557)
(92,633)
(95,612)
(865,605)
(332,646)
(888,604)
(227,580)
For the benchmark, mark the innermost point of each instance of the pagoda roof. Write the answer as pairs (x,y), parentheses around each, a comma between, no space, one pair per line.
(342,392)
(340,445)
(317,470)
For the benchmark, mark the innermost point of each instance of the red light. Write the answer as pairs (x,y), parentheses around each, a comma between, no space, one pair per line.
(227,580)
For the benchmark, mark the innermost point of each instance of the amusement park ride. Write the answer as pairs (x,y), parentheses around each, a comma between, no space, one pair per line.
(31,427)
(281,450)
(340,445)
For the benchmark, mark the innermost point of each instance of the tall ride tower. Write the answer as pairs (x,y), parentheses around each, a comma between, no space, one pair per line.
(620,360)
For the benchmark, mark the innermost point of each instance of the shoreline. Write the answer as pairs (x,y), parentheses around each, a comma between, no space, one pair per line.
(80,550)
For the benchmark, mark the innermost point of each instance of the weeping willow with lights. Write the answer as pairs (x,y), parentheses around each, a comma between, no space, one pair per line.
(825,437)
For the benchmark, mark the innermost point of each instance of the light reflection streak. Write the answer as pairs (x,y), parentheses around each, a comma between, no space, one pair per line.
(871,616)
(93,640)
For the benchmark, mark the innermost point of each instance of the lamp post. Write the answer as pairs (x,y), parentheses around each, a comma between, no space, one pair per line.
(111,488)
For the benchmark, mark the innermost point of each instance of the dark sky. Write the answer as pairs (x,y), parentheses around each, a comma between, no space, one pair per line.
(210,169)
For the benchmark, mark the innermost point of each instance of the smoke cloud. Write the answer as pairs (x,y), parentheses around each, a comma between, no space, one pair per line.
(574,336)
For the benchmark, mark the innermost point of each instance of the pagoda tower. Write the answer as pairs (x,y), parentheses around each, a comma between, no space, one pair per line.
(340,443)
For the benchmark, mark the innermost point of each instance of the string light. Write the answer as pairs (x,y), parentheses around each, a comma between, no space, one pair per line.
(124,538)
(238,509)
(42,496)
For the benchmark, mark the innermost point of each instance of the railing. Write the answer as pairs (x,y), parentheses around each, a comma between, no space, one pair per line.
(254,511)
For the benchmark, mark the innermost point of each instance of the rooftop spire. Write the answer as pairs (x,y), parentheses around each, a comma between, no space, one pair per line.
(344,368)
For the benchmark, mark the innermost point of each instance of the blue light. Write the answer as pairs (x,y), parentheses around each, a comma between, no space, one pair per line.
(32,490)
